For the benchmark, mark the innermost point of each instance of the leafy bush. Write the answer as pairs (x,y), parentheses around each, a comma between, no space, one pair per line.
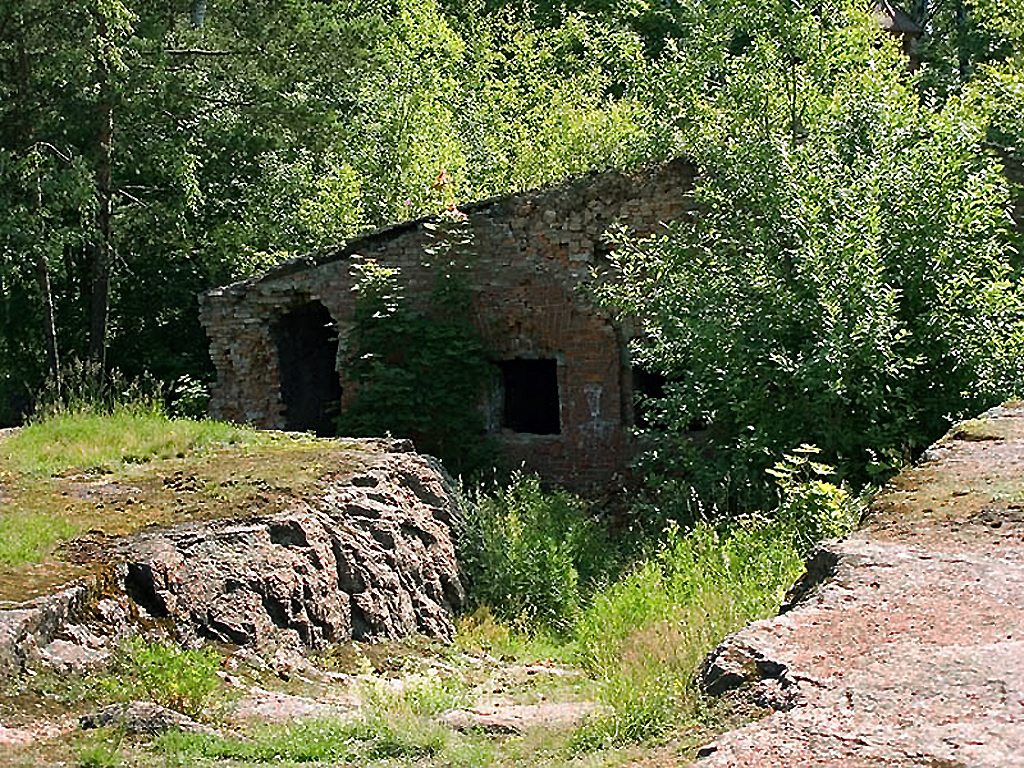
(810,508)
(850,281)
(178,678)
(188,398)
(531,555)
(417,375)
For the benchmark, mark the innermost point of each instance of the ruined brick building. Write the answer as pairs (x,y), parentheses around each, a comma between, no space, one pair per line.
(565,389)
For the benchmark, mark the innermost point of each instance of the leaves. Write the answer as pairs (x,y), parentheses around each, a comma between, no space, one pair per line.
(845,285)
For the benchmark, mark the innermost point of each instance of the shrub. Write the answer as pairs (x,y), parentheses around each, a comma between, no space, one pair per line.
(810,508)
(532,555)
(180,679)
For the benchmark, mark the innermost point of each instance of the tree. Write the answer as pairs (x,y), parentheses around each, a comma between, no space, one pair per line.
(849,280)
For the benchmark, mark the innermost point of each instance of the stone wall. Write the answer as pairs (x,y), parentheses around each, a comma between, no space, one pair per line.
(533,253)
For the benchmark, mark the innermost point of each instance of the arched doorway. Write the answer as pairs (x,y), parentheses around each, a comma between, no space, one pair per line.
(307,346)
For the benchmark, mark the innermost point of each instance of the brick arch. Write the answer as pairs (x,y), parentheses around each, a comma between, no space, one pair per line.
(306,340)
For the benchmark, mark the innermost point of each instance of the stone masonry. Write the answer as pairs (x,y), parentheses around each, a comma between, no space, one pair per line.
(533,254)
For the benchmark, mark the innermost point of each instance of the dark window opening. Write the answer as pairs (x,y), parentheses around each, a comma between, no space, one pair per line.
(307,347)
(647,386)
(530,401)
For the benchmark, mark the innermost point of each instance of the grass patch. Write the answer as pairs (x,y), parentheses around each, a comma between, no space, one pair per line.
(377,736)
(645,635)
(115,470)
(26,535)
(100,749)
(103,442)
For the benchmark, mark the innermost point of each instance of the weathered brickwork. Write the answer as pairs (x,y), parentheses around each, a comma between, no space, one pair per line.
(532,253)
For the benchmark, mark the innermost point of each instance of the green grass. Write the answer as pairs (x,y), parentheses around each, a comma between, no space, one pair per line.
(640,635)
(43,465)
(26,535)
(644,636)
(377,736)
(100,442)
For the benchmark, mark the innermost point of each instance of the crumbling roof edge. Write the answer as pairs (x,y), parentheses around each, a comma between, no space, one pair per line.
(319,258)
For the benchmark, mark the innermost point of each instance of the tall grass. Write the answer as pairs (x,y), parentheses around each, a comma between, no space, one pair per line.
(98,441)
(642,633)
(532,556)
(96,423)
(643,637)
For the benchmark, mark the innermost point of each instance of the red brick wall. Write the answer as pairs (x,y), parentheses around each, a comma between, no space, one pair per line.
(533,255)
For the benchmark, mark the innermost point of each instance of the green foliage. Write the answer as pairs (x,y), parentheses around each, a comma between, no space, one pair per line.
(532,556)
(419,375)
(361,107)
(811,508)
(84,388)
(178,678)
(849,280)
(311,741)
(85,439)
(188,398)
(644,636)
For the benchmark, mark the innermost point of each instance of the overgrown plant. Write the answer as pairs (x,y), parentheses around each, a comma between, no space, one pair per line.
(811,508)
(644,636)
(850,280)
(178,678)
(533,556)
(421,375)
(83,387)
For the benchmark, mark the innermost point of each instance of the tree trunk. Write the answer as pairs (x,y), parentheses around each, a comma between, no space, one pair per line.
(962,42)
(42,265)
(45,291)
(198,13)
(102,251)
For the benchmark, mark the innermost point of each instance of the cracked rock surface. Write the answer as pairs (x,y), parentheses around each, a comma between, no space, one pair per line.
(370,557)
(904,644)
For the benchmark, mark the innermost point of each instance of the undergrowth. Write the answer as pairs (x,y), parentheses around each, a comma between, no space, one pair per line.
(546,565)
(178,678)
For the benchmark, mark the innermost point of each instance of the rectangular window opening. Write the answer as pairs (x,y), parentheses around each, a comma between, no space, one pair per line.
(530,399)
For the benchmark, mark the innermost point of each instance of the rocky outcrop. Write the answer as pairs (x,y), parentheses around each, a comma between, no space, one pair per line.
(904,644)
(142,717)
(371,556)
(368,555)
(27,628)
